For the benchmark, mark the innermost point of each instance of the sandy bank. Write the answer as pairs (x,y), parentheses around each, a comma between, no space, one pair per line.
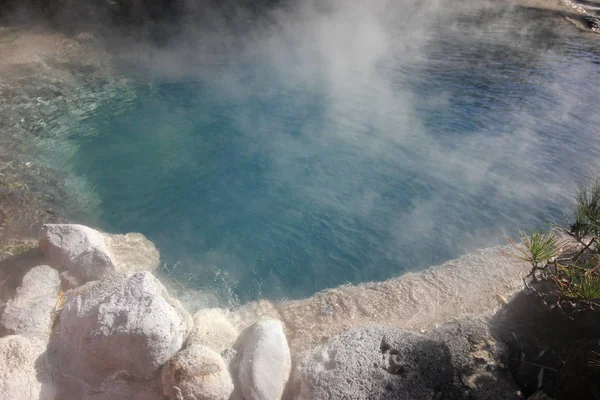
(476,284)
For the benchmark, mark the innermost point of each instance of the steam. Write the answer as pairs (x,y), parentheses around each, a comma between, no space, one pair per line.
(371,88)
(364,67)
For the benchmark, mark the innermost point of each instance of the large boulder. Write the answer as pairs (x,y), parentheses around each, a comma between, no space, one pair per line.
(24,373)
(196,373)
(83,251)
(264,361)
(212,330)
(454,362)
(31,310)
(129,326)
(88,254)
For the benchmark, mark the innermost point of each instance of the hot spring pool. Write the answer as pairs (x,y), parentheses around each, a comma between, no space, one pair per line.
(343,148)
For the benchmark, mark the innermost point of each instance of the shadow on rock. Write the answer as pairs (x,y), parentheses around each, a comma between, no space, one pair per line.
(455,361)
(13,268)
(550,348)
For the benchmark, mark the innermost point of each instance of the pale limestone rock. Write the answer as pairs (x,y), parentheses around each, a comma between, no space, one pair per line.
(133,252)
(229,355)
(264,361)
(196,373)
(122,387)
(81,250)
(212,330)
(89,255)
(31,310)
(117,386)
(118,324)
(24,373)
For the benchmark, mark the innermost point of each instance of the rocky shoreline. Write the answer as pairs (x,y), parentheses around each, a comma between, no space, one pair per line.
(89,320)
(85,315)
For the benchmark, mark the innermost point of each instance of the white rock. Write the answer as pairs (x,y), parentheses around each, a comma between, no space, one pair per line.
(24,370)
(118,324)
(196,373)
(81,250)
(91,255)
(31,310)
(133,252)
(212,330)
(229,355)
(117,387)
(265,362)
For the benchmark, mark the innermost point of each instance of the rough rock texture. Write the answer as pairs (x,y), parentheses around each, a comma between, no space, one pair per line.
(454,362)
(212,330)
(196,373)
(91,255)
(118,324)
(24,370)
(14,268)
(30,312)
(264,361)
(81,250)
(120,386)
(133,252)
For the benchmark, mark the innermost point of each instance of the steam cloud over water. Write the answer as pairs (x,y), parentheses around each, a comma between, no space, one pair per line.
(326,142)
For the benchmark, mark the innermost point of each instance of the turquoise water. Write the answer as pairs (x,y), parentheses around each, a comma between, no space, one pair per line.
(308,161)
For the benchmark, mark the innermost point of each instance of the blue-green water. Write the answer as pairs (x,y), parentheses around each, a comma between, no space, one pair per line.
(306,162)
